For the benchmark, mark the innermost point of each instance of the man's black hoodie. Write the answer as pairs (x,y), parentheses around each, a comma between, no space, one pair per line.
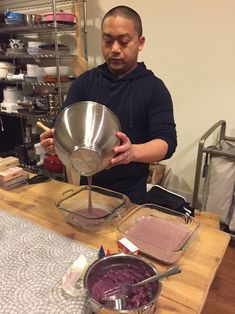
(144,108)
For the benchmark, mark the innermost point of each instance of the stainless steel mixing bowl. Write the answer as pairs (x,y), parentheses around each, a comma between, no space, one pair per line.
(96,271)
(85,135)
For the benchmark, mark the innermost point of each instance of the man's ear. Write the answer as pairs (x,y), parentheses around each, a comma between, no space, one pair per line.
(141,43)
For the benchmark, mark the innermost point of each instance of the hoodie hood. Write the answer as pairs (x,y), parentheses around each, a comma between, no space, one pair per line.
(139,71)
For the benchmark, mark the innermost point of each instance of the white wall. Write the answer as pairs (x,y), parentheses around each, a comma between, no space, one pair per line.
(191,46)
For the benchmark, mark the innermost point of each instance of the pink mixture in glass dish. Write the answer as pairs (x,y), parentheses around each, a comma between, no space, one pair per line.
(160,233)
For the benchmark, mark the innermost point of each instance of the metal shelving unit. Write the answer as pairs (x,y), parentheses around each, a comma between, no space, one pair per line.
(33,5)
(55,28)
(52,29)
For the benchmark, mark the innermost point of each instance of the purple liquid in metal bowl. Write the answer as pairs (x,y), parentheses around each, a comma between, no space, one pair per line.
(115,275)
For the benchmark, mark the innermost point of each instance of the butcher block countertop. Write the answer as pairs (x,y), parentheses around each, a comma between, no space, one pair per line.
(184,293)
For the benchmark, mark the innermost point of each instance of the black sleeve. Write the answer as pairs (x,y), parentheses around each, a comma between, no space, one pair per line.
(75,92)
(161,118)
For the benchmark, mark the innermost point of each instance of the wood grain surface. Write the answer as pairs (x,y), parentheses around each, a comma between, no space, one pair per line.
(184,293)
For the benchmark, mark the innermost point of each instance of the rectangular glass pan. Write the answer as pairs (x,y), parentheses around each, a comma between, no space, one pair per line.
(158,232)
(107,204)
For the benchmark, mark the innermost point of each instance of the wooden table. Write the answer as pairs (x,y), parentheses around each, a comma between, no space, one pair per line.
(185,293)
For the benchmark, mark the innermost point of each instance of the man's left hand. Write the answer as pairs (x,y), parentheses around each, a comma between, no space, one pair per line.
(124,152)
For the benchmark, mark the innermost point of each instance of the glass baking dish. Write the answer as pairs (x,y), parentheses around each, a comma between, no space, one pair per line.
(158,232)
(107,206)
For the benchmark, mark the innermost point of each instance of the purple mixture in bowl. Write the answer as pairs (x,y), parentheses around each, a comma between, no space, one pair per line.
(115,270)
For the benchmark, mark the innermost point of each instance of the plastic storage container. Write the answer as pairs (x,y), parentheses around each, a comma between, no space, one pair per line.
(158,232)
(107,206)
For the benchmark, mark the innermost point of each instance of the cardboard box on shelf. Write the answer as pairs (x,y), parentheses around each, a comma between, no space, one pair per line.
(8,162)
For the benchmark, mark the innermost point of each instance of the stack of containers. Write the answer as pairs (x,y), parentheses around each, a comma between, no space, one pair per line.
(10,175)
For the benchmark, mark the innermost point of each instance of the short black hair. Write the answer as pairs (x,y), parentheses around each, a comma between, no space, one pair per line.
(126,12)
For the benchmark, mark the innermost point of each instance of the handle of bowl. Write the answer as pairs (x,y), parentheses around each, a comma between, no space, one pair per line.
(42,126)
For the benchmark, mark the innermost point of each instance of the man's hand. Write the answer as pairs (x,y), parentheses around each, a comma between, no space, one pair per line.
(124,152)
(148,152)
(47,141)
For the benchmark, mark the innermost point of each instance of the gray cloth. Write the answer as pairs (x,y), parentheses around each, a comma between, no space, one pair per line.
(33,261)
(220,184)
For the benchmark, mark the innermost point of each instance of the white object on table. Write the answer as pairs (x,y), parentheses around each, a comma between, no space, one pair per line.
(73,274)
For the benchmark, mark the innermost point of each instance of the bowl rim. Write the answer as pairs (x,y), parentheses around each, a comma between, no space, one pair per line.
(86,102)
(86,274)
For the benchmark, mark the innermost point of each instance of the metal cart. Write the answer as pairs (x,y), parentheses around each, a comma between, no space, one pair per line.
(203,150)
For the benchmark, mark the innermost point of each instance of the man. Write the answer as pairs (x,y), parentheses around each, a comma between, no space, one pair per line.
(140,100)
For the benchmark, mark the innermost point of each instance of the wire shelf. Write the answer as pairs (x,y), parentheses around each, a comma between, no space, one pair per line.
(40,28)
(43,84)
(36,56)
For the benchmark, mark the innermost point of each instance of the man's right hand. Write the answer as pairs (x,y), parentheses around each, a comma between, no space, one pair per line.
(47,141)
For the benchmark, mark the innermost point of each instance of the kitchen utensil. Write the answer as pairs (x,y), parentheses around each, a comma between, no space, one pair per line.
(35,44)
(25,102)
(31,79)
(8,107)
(122,264)
(53,79)
(15,77)
(13,52)
(42,126)
(6,68)
(52,47)
(39,178)
(16,43)
(14,21)
(53,104)
(32,70)
(14,17)
(65,17)
(85,134)
(112,205)
(32,19)
(158,232)
(124,290)
(31,113)
(52,71)
(33,50)
(11,95)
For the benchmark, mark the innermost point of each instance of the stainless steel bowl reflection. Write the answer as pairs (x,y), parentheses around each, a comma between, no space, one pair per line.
(85,135)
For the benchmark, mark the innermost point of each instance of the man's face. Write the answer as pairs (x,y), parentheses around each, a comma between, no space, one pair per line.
(120,44)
